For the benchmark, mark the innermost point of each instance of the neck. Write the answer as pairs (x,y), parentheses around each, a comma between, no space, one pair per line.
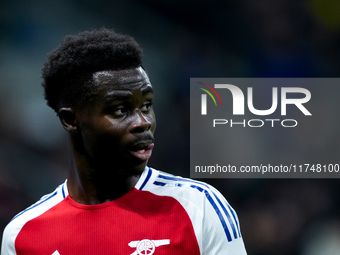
(88,184)
(89,192)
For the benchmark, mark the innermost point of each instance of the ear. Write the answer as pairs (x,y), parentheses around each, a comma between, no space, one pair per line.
(68,119)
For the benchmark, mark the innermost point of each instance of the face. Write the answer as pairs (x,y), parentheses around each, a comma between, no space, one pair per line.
(117,124)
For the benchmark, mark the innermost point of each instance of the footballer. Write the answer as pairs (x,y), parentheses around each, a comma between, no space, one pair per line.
(112,202)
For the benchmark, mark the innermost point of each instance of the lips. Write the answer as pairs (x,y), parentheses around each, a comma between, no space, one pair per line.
(142,150)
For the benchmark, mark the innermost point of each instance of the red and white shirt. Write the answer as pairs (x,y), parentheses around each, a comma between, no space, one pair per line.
(162,214)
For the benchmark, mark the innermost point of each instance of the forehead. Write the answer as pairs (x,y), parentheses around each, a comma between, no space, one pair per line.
(130,79)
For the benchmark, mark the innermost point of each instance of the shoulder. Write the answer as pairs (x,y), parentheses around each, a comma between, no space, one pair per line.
(202,201)
(162,183)
(41,206)
(215,222)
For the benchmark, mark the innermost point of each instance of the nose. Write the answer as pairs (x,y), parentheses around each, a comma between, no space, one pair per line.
(140,123)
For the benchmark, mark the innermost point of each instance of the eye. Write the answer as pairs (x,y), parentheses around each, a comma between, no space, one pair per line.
(146,107)
(119,111)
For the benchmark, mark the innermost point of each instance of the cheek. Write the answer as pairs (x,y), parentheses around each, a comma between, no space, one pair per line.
(103,147)
(152,120)
(102,139)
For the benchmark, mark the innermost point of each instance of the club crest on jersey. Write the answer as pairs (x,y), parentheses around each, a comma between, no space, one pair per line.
(146,246)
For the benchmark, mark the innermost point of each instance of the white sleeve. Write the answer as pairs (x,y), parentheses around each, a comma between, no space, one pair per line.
(7,245)
(221,228)
(14,226)
(214,221)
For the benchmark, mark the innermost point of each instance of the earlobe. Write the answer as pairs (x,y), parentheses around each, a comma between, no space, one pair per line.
(68,119)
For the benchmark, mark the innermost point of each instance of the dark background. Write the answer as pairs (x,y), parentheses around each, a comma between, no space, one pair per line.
(181,39)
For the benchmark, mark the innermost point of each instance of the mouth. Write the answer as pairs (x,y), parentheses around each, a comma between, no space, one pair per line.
(143,150)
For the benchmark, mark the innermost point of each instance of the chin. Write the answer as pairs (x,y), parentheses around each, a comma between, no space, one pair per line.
(131,170)
(138,169)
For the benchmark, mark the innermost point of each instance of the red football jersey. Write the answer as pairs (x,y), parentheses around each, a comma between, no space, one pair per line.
(162,214)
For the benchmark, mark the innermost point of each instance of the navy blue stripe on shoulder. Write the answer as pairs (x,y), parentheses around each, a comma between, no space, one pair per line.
(63,191)
(210,195)
(146,179)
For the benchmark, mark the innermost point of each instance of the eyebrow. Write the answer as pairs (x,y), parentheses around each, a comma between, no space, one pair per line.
(122,95)
(115,96)
(147,90)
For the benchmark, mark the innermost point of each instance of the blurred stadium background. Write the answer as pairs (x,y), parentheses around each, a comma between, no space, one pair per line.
(181,39)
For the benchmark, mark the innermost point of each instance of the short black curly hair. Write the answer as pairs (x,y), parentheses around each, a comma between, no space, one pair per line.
(69,69)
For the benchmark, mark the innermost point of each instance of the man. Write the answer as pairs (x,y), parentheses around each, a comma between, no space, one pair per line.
(111,202)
